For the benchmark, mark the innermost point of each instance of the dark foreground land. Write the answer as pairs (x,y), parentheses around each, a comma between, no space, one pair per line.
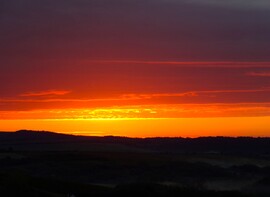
(49,164)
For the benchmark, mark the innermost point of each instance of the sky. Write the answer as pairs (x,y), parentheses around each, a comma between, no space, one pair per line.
(138,68)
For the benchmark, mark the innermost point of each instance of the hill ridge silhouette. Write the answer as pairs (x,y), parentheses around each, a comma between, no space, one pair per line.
(39,140)
(24,131)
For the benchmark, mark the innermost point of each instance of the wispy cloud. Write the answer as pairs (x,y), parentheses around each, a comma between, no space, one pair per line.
(258,74)
(149,96)
(123,97)
(46,93)
(229,64)
(237,91)
(191,93)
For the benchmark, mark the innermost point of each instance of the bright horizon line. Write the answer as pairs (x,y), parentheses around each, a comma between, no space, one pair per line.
(148,127)
(80,134)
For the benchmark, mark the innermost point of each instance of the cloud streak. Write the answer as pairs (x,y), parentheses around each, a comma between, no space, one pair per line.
(191,93)
(46,93)
(226,64)
(258,74)
(40,98)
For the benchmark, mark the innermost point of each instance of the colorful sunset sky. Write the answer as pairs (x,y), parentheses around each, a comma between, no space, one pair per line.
(137,68)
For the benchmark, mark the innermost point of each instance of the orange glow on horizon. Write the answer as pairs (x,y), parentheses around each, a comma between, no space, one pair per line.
(180,120)
(163,127)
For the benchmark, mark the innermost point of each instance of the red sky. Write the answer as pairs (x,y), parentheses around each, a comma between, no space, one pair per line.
(193,64)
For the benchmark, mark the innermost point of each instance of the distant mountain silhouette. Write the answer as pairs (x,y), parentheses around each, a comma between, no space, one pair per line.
(44,140)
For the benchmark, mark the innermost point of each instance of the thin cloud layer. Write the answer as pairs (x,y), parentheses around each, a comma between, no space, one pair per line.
(46,93)
(259,74)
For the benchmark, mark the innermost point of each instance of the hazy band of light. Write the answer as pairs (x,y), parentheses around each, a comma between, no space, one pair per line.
(165,127)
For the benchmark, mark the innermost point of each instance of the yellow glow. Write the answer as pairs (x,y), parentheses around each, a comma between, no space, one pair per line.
(146,111)
(186,120)
(170,127)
